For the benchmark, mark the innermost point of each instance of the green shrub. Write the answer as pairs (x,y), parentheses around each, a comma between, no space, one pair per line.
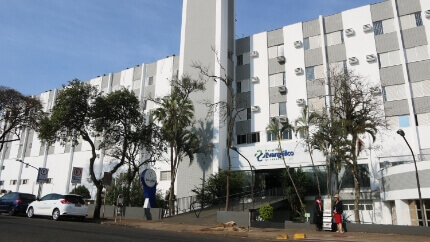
(82,191)
(266,212)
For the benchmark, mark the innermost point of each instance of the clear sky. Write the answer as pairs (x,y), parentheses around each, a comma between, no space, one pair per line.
(46,43)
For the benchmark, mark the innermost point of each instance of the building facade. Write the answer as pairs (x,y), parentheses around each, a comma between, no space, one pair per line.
(277,72)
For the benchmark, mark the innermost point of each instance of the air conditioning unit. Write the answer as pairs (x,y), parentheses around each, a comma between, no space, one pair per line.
(253,53)
(367,27)
(370,58)
(427,13)
(300,102)
(298,43)
(255,108)
(254,79)
(349,32)
(281,59)
(282,89)
(353,60)
(283,119)
(298,71)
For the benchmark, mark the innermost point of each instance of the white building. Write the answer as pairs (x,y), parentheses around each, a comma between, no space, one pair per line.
(275,72)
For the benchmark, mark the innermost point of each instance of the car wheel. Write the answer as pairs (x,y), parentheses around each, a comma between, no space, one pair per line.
(30,212)
(12,211)
(56,214)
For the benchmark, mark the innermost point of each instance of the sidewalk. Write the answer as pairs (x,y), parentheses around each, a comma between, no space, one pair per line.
(206,224)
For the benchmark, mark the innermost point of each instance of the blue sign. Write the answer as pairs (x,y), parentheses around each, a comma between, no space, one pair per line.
(272,154)
(149,182)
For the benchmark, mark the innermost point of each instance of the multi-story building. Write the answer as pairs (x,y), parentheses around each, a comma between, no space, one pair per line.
(276,72)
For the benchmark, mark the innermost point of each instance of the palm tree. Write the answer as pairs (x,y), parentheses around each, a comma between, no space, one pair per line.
(302,125)
(176,113)
(277,128)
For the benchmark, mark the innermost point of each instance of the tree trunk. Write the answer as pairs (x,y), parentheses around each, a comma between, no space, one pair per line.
(315,170)
(227,186)
(289,175)
(356,195)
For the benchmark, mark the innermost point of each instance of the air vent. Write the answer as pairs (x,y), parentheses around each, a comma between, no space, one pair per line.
(255,108)
(300,102)
(253,53)
(254,79)
(367,28)
(282,89)
(281,59)
(370,58)
(283,120)
(349,32)
(298,43)
(353,60)
(427,13)
(298,71)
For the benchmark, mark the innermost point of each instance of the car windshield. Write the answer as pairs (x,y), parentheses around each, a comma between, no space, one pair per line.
(28,197)
(74,199)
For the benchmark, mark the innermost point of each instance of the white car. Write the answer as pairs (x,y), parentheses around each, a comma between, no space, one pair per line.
(58,205)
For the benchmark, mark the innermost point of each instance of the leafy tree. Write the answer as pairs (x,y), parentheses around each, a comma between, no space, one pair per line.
(120,187)
(357,109)
(277,128)
(266,212)
(213,191)
(121,121)
(303,186)
(176,115)
(82,191)
(71,119)
(17,112)
(303,125)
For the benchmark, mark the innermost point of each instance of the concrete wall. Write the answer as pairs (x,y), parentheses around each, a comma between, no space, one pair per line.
(128,212)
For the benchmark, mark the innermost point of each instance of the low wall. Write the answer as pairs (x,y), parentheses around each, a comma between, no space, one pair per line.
(388,229)
(108,211)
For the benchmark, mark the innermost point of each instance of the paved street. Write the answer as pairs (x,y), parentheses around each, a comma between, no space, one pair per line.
(43,229)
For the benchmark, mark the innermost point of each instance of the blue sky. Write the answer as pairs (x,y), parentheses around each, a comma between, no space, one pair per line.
(46,43)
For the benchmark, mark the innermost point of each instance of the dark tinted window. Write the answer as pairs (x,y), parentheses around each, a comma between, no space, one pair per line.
(25,196)
(7,196)
(75,199)
(47,197)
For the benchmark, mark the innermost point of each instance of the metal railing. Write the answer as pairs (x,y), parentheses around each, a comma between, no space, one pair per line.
(237,202)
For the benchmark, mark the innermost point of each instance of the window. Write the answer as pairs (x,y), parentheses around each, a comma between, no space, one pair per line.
(12,182)
(334,38)
(404,121)
(311,42)
(421,89)
(287,134)
(282,108)
(418,53)
(150,80)
(243,86)
(49,181)
(389,59)
(377,28)
(248,138)
(314,72)
(24,181)
(1,183)
(338,67)
(276,51)
(411,21)
(384,26)
(230,55)
(165,176)
(384,94)
(248,113)
(277,79)
(395,92)
(238,87)
(240,60)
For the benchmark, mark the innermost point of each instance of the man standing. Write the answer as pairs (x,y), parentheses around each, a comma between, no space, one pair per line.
(318,213)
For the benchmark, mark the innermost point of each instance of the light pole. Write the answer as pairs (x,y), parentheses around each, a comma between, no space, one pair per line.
(28,165)
(423,214)
(252,174)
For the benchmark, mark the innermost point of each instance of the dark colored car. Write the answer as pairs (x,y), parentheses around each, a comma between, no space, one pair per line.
(15,202)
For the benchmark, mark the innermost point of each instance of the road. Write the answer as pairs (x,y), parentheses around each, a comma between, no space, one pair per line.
(42,229)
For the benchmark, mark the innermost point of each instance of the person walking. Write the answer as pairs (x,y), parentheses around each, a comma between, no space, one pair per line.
(318,213)
(337,213)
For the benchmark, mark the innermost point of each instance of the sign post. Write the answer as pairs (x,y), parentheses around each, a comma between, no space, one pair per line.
(77,175)
(42,175)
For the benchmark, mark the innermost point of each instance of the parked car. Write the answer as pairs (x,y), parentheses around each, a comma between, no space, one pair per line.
(15,202)
(59,205)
